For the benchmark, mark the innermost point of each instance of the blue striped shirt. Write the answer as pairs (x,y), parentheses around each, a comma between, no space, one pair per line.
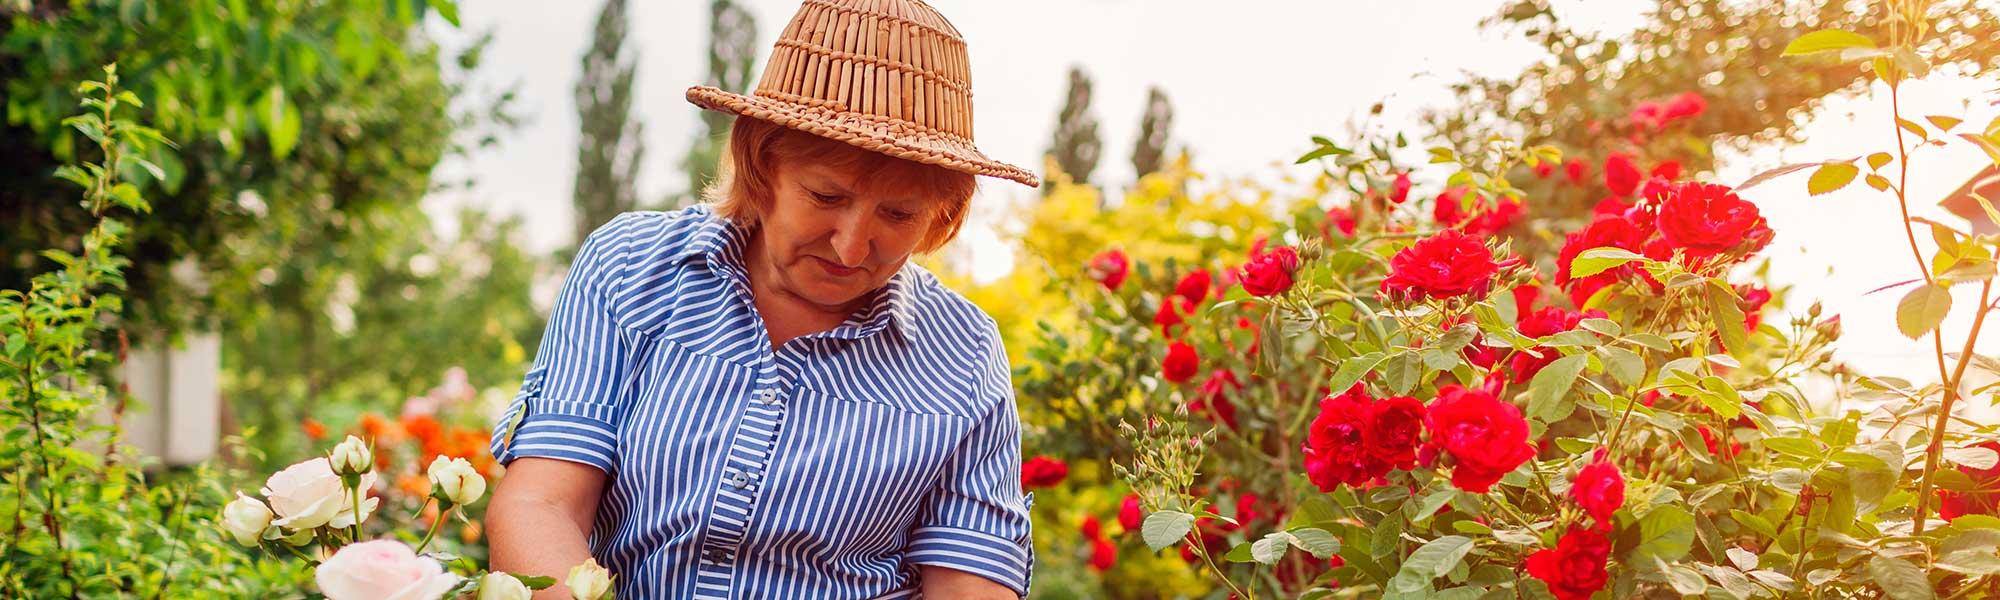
(831,467)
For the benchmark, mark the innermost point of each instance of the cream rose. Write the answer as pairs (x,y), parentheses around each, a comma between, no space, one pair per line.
(352,456)
(246,519)
(588,581)
(457,480)
(309,495)
(501,586)
(382,570)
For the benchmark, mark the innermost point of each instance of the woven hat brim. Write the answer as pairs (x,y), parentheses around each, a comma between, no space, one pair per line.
(894,138)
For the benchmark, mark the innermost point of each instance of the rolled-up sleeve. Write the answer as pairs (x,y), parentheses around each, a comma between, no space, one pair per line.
(976,520)
(567,408)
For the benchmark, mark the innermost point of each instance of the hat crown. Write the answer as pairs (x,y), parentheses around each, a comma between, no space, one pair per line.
(895,61)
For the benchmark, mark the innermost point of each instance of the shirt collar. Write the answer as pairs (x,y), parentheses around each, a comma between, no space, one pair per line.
(720,243)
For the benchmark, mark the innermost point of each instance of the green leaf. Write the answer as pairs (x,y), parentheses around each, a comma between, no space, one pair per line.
(1240,553)
(1973,457)
(1900,579)
(1827,40)
(1685,580)
(1165,528)
(1922,310)
(1789,480)
(1598,260)
(281,122)
(1405,369)
(534,582)
(1971,562)
(1830,177)
(1755,523)
(1667,533)
(1726,316)
(1546,392)
(447,9)
(1317,541)
(1432,503)
(1625,366)
(1272,548)
(1435,558)
(1720,397)
(1353,369)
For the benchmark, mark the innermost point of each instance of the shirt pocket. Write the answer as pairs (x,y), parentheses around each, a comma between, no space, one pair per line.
(852,474)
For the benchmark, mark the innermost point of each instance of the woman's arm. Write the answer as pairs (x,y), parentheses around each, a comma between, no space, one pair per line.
(539,520)
(945,583)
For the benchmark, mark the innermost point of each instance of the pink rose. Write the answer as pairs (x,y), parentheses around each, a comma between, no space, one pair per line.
(382,570)
(309,495)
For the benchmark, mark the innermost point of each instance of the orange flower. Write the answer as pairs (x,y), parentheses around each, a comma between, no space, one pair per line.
(470,533)
(314,430)
(422,427)
(374,427)
(415,485)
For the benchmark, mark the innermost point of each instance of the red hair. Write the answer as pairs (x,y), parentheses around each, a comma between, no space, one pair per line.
(742,190)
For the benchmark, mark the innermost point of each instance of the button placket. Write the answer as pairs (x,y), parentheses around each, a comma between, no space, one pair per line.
(737,496)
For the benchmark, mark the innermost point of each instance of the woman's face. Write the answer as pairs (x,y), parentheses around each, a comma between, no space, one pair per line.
(829,241)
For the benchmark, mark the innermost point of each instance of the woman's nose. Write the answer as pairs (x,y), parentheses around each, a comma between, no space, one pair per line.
(852,242)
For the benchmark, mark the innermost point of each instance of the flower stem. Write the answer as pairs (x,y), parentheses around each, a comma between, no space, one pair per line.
(435,524)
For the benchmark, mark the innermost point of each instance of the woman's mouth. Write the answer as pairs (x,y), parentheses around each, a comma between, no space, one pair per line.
(836,269)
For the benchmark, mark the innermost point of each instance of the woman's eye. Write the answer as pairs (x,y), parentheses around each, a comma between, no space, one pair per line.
(824,198)
(901,216)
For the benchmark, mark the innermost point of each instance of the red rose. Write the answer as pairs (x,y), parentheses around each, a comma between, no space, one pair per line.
(1485,217)
(1215,397)
(1606,231)
(1194,286)
(1648,115)
(1544,169)
(1042,471)
(1090,527)
(1171,309)
(1399,190)
(1110,268)
(1707,220)
(1669,170)
(1395,426)
(1655,189)
(1687,105)
(1599,488)
(1714,443)
(1103,554)
(1754,297)
(1620,174)
(1246,509)
(1339,219)
(1574,569)
(1546,322)
(1486,437)
(1576,170)
(1447,265)
(1335,449)
(1131,514)
(1180,363)
(1983,499)
(1270,273)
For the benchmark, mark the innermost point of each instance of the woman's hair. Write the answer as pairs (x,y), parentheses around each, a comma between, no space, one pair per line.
(742,189)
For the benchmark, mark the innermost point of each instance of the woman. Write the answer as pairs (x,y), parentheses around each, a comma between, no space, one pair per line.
(761,398)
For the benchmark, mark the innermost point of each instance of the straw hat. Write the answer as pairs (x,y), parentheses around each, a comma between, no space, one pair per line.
(889,76)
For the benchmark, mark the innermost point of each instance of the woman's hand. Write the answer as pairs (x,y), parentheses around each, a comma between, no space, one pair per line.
(944,583)
(539,520)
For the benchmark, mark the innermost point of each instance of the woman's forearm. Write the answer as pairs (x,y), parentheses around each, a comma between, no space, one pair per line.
(527,536)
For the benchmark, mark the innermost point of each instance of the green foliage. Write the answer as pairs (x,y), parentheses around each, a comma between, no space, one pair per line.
(83,520)
(732,56)
(1076,145)
(610,144)
(1149,151)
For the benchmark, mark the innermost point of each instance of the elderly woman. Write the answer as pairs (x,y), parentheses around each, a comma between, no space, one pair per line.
(761,397)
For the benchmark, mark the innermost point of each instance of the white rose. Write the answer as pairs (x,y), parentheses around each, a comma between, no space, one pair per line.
(501,586)
(246,519)
(309,495)
(588,581)
(457,480)
(352,457)
(382,570)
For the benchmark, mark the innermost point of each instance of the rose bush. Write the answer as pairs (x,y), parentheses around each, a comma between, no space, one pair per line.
(1483,399)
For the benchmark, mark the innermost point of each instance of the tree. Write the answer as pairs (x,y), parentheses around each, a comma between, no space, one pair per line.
(1154,133)
(610,146)
(294,121)
(732,54)
(1076,146)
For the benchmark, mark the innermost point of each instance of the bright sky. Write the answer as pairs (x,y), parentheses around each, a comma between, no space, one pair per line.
(1250,80)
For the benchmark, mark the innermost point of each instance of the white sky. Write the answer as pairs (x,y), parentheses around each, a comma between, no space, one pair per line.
(1250,80)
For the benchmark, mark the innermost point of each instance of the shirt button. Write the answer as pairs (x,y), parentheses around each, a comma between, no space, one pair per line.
(739,479)
(717,556)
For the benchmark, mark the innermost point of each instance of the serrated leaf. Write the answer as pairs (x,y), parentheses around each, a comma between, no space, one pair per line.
(1900,579)
(1318,542)
(1830,177)
(1432,503)
(1827,40)
(1754,523)
(1435,558)
(1971,562)
(1914,129)
(1272,548)
(1666,533)
(1781,581)
(1876,160)
(1880,183)
(1165,528)
(1743,559)
(1922,310)
(1546,392)
(1240,553)
(1727,317)
(1402,372)
(1944,123)
(1789,481)
(1625,366)
(1686,580)
(1598,260)
(1353,369)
